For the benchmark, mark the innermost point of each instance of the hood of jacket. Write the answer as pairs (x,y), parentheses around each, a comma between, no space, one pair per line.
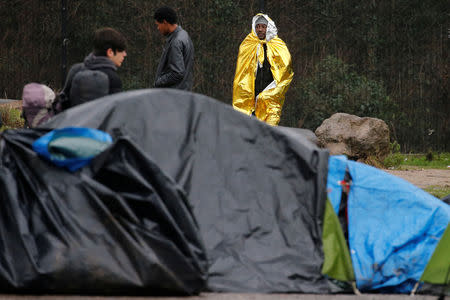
(98,62)
(271,27)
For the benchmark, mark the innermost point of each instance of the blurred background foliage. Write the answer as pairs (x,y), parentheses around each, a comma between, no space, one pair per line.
(387,59)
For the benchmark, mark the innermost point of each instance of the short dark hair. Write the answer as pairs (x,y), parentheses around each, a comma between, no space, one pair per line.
(106,38)
(165,13)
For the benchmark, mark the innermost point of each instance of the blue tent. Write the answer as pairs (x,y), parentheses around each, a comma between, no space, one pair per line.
(394,227)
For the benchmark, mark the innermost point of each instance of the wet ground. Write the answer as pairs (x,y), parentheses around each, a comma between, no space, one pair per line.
(424,177)
(234,297)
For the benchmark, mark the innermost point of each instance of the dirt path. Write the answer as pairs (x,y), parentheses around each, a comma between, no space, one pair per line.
(225,296)
(424,177)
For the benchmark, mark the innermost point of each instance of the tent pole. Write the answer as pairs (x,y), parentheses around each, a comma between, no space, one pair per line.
(64,41)
(262,7)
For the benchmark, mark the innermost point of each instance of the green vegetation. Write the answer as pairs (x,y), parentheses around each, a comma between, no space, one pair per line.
(11,117)
(334,87)
(379,52)
(393,160)
(430,160)
(438,191)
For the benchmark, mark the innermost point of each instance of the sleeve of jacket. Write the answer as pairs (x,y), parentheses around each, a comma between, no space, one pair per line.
(175,66)
(115,84)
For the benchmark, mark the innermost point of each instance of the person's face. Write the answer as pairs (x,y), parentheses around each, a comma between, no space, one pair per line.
(117,57)
(261,31)
(163,27)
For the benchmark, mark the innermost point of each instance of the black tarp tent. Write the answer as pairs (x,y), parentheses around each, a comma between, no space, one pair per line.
(119,226)
(257,192)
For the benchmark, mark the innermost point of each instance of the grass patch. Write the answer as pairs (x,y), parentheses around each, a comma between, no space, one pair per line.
(425,161)
(438,191)
(430,160)
(11,117)
(393,160)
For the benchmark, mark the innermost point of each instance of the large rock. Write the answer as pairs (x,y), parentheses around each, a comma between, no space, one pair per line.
(362,139)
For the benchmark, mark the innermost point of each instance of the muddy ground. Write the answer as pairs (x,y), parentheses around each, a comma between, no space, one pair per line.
(424,178)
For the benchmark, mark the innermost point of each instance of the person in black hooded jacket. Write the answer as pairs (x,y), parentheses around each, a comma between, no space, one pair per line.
(97,75)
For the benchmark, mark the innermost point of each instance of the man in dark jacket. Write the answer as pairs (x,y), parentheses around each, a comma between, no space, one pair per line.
(175,69)
(97,75)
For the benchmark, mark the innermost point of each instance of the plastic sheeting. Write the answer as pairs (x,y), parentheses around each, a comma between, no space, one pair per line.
(394,227)
(258,192)
(118,226)
(336,172)
(72,147)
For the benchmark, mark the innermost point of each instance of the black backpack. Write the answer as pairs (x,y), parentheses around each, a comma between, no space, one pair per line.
(88,85)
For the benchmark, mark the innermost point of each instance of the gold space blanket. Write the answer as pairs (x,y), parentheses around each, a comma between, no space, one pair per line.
(268,104)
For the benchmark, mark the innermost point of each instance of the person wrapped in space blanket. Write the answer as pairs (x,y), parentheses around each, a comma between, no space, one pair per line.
(263,72)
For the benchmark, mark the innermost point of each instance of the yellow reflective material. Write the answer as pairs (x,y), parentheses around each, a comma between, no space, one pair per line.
(269,103)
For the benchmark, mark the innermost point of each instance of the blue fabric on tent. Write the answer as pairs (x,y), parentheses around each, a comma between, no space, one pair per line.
(77,145)
(394,228)
(336,172)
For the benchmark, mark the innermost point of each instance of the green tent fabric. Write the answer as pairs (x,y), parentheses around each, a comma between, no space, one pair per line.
(337,263)
(437,270)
